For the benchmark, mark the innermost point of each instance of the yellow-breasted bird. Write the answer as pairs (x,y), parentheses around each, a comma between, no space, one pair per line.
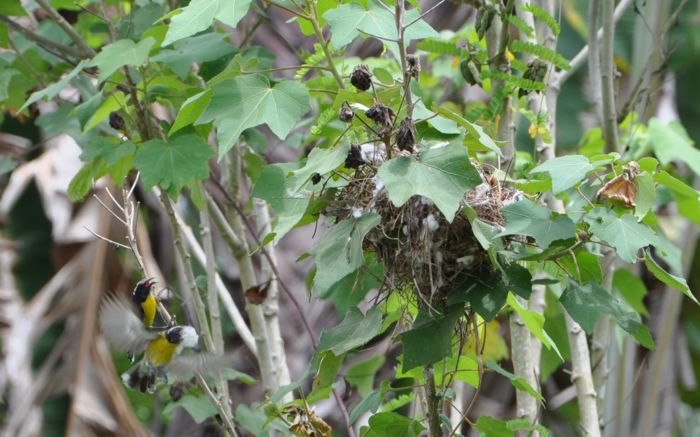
(145,301)
(161,348)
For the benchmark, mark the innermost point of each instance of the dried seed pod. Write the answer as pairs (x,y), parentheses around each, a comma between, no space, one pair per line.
(346,114)
(383,116)
(484,18)
(536,71)
(413,68)
(361,77)
(354,159)
(470,70)
(116,121)
(315,178)
(406,136)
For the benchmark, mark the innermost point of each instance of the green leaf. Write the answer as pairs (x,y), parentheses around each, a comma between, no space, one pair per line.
(328,366)
(339,253)
(519,280)
(588,302)
(535,324)
(442,174)
(486,294)
(12,8)
(191,110)
(370,403)
(670,142)
(541,52)
(361,375)
(52,90)
(319,161)
(201,48)
(174,164)
(199,407)
(687,198)
(476,139)
(348,20)
(121,53)
(289,206)
(646,195)
(671,280)
(349,291)
(112,103)
(7,164)
(632,289)
(587,264)
(430,338)
(527,218)
(517,381)
(624,233)
(248,101)
(490,427)
(565,171)
(392,425)
(354,331)
(5,79)
(200,14)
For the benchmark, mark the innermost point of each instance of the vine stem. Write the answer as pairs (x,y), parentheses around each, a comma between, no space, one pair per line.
(594,60)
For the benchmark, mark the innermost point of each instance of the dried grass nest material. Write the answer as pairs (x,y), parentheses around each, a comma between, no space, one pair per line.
(417,245)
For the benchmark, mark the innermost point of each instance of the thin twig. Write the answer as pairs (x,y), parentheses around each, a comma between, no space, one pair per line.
(578,60)
(45,43)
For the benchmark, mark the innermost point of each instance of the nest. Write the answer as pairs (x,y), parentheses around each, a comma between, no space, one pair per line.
(419,248)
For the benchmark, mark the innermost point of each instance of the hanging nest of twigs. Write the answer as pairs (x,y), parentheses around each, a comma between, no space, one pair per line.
(419,248)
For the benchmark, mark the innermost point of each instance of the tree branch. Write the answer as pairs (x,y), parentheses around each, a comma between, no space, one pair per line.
(578,60)
(607,74)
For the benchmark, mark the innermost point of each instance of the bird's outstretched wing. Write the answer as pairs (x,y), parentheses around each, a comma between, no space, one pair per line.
(185,366)
(122,328)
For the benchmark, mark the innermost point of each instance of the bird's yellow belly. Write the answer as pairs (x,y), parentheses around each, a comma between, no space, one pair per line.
(149,310)
(160,351)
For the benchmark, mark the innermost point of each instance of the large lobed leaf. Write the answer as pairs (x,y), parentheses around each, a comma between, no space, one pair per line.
(339,253)
(624,233)
(586,303)
(249,101)
(200,14)
(173,164)
(527,218)
(443,175)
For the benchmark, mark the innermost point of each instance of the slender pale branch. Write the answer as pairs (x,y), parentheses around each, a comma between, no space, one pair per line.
(78,40)
(594,60)
(43,42)
(582,378)
(578,60)
(432,400)
(607,74)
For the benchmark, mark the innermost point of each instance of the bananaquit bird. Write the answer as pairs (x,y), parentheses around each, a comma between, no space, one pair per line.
(161,348)
(145,301)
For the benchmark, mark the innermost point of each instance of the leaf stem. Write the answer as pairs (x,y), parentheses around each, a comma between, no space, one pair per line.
(313,17)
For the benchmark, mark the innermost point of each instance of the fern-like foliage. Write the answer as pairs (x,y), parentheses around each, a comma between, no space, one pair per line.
(515,81)
(439,47)
(325,117)
(543,16)
(541,52)
(496,105)
(312,60)
(521,25)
